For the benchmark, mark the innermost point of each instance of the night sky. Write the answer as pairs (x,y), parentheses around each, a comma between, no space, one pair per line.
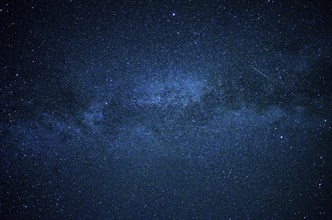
(165,109)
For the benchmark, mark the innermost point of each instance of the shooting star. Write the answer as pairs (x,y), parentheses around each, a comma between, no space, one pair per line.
(279,84)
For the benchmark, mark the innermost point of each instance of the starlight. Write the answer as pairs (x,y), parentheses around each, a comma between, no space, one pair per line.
(173,110)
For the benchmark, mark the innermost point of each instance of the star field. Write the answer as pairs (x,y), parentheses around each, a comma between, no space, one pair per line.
(165,110)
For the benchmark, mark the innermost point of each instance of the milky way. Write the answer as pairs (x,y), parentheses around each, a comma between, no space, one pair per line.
(174,110)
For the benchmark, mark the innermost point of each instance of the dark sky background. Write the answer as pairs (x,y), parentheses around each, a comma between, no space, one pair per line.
(165,109)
